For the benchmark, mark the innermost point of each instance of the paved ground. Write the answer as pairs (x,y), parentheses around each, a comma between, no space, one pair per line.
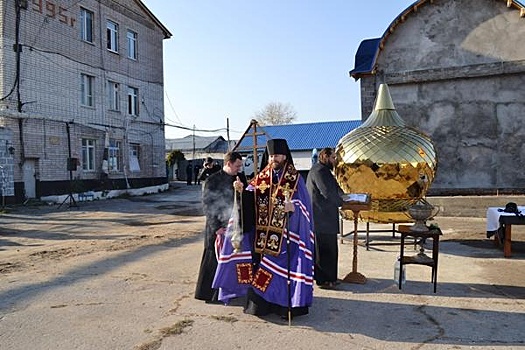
(120,274)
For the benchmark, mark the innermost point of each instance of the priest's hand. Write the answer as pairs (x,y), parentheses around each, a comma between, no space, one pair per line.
(220,231)
(288,206)
(238,185)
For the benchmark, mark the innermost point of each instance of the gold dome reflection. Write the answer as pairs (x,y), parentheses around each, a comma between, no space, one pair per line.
(392,162)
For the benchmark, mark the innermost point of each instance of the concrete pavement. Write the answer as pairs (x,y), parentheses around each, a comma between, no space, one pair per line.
(120,274)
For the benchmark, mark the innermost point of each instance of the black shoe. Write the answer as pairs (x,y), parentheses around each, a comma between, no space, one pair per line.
(328,285)
(285,317)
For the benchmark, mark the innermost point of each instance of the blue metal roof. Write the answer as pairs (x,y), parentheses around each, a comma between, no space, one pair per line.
(300,137)
(365,57)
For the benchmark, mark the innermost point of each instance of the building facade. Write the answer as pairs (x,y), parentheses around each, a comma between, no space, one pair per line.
(81,97)
(456,71)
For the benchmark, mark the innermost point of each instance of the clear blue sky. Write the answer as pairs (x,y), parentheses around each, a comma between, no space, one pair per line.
(230,58)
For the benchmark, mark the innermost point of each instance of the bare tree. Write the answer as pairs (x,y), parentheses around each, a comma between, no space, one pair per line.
(276,113)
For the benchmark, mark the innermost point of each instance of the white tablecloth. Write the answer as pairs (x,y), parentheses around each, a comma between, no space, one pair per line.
(493,216)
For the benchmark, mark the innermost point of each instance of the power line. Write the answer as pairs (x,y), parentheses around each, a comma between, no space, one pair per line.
(193,129)
(171,106)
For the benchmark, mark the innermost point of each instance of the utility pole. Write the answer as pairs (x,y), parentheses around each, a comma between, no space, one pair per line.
(194,143)
(71,165)
(228,132)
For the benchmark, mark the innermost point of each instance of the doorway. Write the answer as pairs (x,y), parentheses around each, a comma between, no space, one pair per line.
(29,177)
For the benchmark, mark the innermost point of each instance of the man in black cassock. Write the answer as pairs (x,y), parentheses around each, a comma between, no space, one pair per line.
(326,198)
(217,200)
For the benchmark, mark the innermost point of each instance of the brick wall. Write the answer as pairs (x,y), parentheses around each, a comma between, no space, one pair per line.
(52,59)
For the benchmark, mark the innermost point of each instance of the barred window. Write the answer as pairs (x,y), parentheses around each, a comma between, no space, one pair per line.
(114,155)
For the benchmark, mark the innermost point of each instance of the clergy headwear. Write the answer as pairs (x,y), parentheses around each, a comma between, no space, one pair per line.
(277,146)
(273,147)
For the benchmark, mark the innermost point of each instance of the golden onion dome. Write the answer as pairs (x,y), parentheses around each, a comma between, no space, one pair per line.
(392,162)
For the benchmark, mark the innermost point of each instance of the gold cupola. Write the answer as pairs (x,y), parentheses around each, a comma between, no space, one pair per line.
(392,162)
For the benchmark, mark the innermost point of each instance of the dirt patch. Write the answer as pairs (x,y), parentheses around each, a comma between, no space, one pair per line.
(53,254)
(9,267)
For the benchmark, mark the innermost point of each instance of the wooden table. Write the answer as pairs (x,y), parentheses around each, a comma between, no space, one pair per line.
(421,258)
(497,218)
(507,221)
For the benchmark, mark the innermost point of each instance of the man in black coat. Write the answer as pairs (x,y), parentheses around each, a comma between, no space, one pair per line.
(189,173)
(209,168)
(217,200)
(326,198)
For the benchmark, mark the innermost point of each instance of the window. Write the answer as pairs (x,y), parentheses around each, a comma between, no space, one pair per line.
(114,159)
(132,44)
(113,96)
(88,155)
(86,90)
(86,25)
(134,156)
(133,101)
(112,36)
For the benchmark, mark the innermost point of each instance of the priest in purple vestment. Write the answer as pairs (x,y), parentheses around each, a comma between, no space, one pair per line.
(274,266)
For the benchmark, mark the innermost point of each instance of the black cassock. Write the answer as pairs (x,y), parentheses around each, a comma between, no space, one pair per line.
(217,202)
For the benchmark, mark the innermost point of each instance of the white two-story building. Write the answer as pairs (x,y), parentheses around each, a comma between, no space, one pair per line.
(81,97)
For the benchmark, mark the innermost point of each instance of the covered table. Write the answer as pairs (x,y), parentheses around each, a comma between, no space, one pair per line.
(499,224)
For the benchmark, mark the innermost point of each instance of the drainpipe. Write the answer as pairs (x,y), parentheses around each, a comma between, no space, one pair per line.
(19,104)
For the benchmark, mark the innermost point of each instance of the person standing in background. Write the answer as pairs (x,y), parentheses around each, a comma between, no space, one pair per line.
(196,172)
(189,173)
(209,169)
(326,198)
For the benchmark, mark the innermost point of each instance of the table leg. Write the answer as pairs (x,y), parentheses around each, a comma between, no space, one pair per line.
(506,245)
(394,230)
(401,254)
(367,242)
(435,255)
(341,234)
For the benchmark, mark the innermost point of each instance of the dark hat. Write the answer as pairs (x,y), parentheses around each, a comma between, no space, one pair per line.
(209,160)
(511,207)
(277,146)
(273,147)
